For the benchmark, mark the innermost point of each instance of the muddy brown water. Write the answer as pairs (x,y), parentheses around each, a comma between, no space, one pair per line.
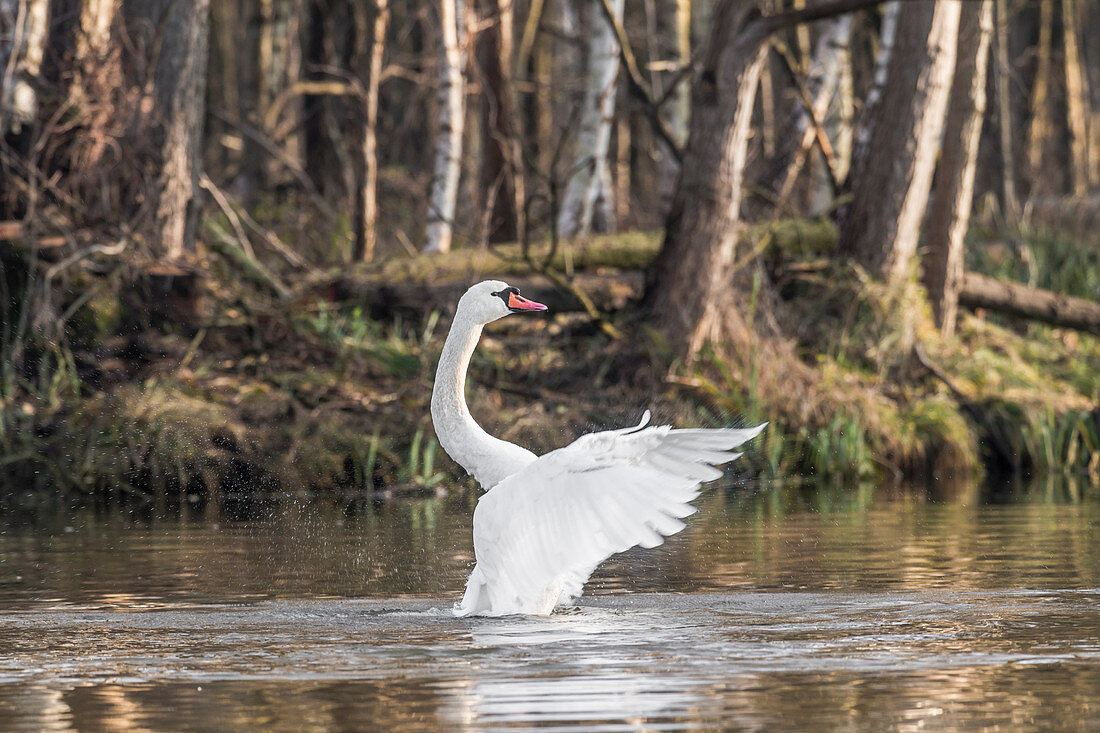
(777,609)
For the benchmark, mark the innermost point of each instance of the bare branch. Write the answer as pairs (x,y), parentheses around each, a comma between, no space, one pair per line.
(640,85)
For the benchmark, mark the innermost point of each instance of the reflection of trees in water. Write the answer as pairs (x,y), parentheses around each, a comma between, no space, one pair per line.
(280,549)
(1006,695)
(844,539)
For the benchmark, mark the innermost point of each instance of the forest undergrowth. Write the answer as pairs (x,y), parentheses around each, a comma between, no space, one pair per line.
(309,392)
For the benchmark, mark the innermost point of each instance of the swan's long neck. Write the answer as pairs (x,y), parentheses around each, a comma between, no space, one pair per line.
(487,459)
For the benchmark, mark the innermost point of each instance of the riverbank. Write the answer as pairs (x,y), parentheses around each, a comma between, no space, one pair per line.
(267,380)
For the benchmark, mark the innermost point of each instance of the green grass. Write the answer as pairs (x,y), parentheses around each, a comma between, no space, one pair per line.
(1042,258)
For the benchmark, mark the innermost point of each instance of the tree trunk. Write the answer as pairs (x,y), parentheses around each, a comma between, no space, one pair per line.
(829,60)
(1092,83)
(679,108)
(499,177)
(892,178)
(24,29)
(1009,201)
(1076,99)
(176,33)
(677,111)
(890,12)
(1039,168)
(589,172)
(450,124)
(325,45)
(253,24)
(366,222)
(689,295)
(949,215)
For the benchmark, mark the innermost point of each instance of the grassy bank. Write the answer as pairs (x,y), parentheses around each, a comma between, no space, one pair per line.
(304,393)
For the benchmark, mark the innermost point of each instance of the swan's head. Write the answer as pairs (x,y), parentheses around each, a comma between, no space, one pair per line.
(487,301)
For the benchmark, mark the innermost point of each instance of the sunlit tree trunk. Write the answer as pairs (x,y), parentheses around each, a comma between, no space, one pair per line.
(177,33)
(690,293)
(1076,98)
(949,214)
(451,101)
(24,29)
(1009,200)
(1092,71)
(830,60)
(892,176)
(366,220)
(589,174)
(96,64)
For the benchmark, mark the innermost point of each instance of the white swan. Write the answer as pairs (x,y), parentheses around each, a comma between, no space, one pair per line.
(547,522)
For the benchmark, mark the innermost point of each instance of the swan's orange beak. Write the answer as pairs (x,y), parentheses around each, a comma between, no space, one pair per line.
(519,303)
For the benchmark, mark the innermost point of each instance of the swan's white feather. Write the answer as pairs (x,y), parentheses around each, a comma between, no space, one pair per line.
(539,533)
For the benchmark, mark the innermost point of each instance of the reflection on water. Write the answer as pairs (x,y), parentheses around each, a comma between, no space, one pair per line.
(783,609)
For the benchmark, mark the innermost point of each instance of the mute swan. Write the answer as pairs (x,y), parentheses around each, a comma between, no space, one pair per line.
(546,522)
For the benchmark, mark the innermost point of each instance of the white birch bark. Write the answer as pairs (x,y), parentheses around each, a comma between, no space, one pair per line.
(451,121)
(949,210)
(24,26)
(878,82)
(830,58)
(679,110)
(588,179)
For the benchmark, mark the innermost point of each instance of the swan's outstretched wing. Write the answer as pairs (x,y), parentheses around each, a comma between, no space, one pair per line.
(540,533)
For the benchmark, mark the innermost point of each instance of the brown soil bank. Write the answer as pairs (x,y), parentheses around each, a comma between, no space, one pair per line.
(216,378)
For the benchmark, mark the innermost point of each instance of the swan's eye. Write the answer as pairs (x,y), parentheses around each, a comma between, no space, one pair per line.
(503,294)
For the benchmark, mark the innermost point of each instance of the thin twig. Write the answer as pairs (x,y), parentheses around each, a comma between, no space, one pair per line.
(269,145)
(234,220)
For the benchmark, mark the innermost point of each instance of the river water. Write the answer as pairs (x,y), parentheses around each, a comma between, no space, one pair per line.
(779,608)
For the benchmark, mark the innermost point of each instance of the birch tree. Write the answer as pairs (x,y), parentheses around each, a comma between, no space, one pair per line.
(451,101)
(949,214)
(882,65)
(892,175)
(692,296)
(24,27)
(679,107)
(589,175)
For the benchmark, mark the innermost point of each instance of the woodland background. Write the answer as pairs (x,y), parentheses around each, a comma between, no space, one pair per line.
(230,233)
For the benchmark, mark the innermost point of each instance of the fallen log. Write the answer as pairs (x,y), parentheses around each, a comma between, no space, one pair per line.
(609,270)
(1016,299)
(606,268)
